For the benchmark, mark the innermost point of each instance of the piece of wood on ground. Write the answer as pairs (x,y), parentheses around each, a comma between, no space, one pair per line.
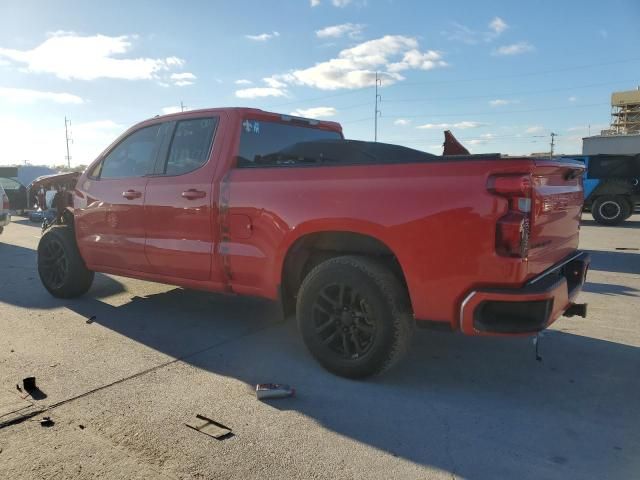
(209,427)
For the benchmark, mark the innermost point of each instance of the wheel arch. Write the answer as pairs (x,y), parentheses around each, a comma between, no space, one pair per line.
(315,246)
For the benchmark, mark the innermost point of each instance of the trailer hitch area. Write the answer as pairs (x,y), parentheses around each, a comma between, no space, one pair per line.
(579,309)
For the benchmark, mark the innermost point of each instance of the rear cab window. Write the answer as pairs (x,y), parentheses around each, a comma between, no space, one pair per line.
(263,143)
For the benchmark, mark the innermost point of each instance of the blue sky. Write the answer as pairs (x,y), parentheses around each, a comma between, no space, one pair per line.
(500,75)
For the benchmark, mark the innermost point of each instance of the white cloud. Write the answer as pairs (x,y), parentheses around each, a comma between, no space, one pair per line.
(263,37)
(594,127)
(17,136)
(500,102)
(402,122)
(356,67)
(315,112)
(415,59)
(497,25)
(464,34)
(335,3)
(572,98)
(274,82)
(70,56)
(514,49)
(535,129)
(25,95)
(257,92)
(183,79)
(461,125)
(243,81)
(171,109)
(336,31)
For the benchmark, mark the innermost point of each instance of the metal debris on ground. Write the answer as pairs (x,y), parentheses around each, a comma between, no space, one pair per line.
(91,319)
(274,390)
(47,422)
(536,342)
(29,383)
(209,427)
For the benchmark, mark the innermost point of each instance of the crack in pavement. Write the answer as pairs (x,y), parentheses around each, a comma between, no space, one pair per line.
(28,415)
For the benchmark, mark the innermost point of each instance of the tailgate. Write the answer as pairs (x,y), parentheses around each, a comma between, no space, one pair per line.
(556,210)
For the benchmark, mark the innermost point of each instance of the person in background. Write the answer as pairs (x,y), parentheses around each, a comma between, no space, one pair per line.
(41,199)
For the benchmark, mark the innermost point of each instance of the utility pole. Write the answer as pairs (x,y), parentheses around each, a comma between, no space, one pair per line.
(377,111)
(182,106)
(553,137)
(67,124)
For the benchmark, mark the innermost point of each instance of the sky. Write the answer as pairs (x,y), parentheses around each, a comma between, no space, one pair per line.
(501,75)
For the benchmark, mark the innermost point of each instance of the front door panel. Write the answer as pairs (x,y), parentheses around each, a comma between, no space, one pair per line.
(180,211)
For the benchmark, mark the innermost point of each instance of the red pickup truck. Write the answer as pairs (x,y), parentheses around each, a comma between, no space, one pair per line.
(362,240)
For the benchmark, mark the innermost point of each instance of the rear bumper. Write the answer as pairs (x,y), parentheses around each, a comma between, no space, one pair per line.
(529,309)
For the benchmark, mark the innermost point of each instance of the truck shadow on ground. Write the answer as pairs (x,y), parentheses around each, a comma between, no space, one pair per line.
(19,268)
(614,261)
(611,289)
(633,222)
(452,404)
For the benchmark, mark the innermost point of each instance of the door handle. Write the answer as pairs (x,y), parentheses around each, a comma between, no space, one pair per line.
(131,194)
(192,194)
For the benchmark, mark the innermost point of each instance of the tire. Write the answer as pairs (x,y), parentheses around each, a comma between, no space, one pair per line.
(354,316)
(610,209)
(631,209)
(60,266)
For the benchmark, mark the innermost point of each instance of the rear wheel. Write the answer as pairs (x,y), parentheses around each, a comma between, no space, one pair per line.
(611,209)
(354,316)
(61,269)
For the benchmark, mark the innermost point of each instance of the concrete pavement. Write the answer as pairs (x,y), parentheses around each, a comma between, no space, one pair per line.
(124,385)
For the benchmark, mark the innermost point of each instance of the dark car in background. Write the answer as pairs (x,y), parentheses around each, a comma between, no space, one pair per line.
(16,192)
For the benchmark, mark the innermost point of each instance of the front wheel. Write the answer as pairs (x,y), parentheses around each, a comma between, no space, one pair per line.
(610,209)
(60,266)
(354,316)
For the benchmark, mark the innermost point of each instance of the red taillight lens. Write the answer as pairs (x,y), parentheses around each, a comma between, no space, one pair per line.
(512,235)
(5,202)
(512,230)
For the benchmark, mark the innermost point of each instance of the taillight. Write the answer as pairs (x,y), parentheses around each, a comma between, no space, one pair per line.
(5,202)
(513,229)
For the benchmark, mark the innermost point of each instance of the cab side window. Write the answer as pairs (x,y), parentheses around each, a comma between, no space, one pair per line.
(133,157)
(190,146)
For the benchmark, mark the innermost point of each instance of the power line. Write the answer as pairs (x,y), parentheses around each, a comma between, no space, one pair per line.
(503,94)
(493,112)
(524,74)
(465,80)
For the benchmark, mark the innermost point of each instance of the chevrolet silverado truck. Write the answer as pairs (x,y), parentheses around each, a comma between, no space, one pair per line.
(362,240)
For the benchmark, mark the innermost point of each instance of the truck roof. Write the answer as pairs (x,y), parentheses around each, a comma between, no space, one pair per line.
(255,112)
